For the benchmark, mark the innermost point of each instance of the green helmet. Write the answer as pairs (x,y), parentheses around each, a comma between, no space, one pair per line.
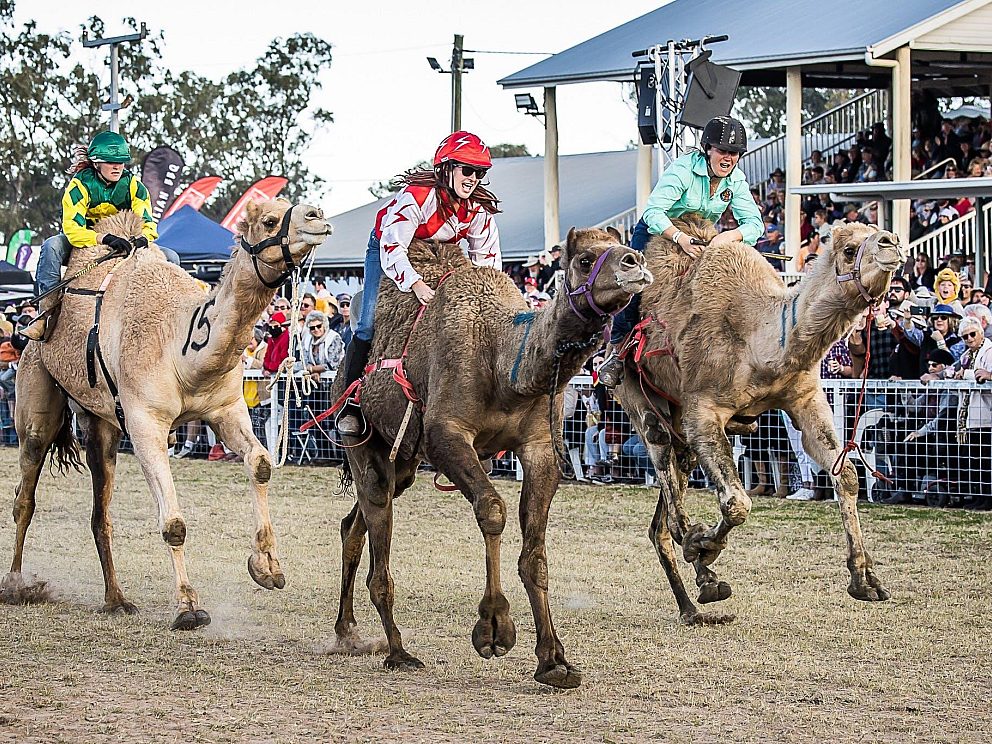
(109,147)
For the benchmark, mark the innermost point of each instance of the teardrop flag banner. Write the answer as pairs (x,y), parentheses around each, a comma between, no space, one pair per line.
(268,188)
(20,248)
(195,194)
(160,173)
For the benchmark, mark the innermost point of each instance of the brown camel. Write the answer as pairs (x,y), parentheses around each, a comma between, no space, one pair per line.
(736,342)
(174,353)
(483,366)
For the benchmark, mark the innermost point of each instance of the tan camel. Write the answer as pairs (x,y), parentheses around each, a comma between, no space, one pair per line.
(741,343)
(483,365)
(174,353)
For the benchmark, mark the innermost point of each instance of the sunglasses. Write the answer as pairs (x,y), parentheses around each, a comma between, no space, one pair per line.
(282,307)
(316,327)
(306,304)
(933,363)
(469,171)
(345,304)
(969,335)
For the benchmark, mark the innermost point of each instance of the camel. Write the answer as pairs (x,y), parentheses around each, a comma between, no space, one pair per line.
(488,373)
(174,353)
(730,340)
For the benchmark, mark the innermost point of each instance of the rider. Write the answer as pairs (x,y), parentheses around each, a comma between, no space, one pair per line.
(706,182)
(447,203)
(99,186)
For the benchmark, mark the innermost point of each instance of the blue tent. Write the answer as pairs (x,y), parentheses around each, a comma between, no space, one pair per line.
(195,237)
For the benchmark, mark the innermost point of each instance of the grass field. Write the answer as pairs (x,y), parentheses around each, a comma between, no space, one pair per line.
(803,661)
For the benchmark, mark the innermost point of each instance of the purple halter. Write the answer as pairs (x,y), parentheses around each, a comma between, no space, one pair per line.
(585,289)
(854,275)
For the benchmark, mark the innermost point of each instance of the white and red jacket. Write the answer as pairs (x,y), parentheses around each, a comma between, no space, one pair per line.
(413,213)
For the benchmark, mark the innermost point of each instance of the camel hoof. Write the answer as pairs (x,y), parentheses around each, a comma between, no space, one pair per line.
(564,676)
(867,593)
(714,592)
(707,618)
(24,589)
(191,620)
(491,637)
(121,607)
(263,577)
(403,661)
(697,546)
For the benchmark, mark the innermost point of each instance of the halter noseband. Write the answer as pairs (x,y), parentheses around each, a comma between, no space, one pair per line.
(281,238)
(854,275)
(585,289)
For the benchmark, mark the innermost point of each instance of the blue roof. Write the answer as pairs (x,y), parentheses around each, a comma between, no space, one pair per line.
(594,187)
(194,236)
(763,33)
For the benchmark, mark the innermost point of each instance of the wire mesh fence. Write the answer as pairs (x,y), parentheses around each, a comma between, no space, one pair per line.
(926,444)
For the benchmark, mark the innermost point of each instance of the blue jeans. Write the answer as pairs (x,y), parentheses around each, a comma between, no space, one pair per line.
(624,321)
(55,254)
(635,450)
(370,290)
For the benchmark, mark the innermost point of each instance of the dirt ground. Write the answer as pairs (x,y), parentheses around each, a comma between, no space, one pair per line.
(803,661)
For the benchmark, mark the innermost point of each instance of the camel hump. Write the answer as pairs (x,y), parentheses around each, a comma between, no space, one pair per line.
(433,259)
(125,224)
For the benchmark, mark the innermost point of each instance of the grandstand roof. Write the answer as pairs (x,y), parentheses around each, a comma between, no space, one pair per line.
(828,39)
(594,188)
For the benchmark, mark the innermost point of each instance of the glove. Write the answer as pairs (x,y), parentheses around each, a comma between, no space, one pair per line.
(117,244)
(140,242)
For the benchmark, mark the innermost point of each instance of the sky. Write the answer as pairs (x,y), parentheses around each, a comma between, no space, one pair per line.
(390,108)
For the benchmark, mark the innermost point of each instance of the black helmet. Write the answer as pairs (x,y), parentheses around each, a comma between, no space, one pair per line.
(726,133)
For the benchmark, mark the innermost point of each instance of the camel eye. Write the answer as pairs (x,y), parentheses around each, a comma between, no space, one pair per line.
(269,222)
(586,263)
(850,252)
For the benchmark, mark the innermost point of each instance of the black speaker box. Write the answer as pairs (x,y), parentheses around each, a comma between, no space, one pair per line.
(711,91)
(647,117)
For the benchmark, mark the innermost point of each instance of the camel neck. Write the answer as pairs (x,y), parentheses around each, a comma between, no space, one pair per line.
(813,316)
(219,326)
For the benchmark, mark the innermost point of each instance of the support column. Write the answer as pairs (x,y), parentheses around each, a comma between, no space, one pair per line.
(645,163)
(902,137)
(793,160)
(552,234)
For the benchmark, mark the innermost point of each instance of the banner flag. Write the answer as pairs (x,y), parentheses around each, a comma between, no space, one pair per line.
(160,173)
(195,194)
(19,250)
(268,188)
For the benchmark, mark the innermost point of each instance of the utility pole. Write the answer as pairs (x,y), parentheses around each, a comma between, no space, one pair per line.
(114,104)
(460,64)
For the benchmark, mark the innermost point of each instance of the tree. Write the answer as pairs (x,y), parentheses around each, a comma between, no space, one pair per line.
(763,109)
(252,123)
(509,151)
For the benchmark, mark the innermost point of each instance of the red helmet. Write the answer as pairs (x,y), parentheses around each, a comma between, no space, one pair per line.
(463,147)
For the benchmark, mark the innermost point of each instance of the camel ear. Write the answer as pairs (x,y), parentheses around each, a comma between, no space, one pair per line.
(615,234)
(252,210)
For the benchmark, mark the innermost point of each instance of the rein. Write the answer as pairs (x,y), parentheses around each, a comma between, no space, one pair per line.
(563,347)
(281,238)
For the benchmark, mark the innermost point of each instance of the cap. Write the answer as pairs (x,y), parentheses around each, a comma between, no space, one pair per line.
(279,317)
(944,311)
(531,261)
(344,297)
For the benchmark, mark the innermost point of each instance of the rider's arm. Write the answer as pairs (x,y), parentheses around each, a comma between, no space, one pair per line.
(141,205)
(746,211)
(483,241)
(399,226)
(75,203)
(671,187)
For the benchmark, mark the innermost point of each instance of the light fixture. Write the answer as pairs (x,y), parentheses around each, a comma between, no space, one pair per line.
(435,65)
(525,103)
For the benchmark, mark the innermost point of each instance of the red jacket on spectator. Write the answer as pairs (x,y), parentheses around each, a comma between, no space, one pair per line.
(278,347)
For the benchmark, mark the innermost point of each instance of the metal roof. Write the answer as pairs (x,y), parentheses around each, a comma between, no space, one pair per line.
(594,188)
(937,188)
(763,34)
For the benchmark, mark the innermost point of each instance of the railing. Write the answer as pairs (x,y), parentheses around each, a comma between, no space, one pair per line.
(957,236)
(828,133)
(933,168)
(624,222)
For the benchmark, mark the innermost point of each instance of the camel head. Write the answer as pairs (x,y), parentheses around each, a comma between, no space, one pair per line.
(278,236)
(601,273)
(865,258)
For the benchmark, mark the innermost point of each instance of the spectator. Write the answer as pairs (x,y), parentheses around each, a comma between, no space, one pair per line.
(597,453)
(975,415)
(868,171)
(922,273)
(942,334)
(344,329)
(808,250)
(979,297)
(776,183)
(946,286)
(854,165)
(278,346)
(853,214)
(633,449)
(880,143)
(772,244)
(840,168)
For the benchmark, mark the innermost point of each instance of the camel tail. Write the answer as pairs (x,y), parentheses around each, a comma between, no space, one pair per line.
(65,448)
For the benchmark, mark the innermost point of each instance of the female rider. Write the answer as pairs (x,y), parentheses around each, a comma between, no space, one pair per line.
(445,204)
(99,186)
(706,182)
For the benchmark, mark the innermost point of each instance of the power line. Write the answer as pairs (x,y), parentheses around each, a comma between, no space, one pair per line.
(483,51)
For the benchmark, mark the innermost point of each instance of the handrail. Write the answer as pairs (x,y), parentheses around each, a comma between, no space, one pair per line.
(932,168)
(833,111)
(957,236)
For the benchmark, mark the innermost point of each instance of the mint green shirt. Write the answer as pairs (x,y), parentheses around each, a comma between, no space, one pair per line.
(685,187)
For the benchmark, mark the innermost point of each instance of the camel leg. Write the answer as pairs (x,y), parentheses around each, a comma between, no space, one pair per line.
(375,479)
(700,545)
(38,417)
(234,427)
(353,531)
(812,416)
(150,438)
(540,484)
(102,439)
(452,452)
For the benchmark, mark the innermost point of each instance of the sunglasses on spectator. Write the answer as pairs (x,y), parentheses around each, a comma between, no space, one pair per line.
(470,170)
(316,327)
(932,363)
(345,304)
(969,335)
(306,304)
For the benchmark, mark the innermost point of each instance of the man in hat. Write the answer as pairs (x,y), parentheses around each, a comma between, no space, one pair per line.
(344,307)
(772,243)
(853,214)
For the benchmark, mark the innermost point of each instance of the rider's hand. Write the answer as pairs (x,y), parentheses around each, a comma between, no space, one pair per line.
(727,236)
(686,244)
(140,242)
(424,293)
(117,244)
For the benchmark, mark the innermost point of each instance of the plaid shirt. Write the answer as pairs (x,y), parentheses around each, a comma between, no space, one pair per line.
(883,345)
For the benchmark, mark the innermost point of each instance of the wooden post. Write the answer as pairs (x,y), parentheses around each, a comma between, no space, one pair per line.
(902,138)
(552,229)
(645,163)
(793,160)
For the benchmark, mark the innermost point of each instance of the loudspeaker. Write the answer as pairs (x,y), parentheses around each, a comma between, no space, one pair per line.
(647,118)
(711,91)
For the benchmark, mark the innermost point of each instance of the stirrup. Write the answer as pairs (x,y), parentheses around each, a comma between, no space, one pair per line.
(350,421)
(611,370)
(37,329)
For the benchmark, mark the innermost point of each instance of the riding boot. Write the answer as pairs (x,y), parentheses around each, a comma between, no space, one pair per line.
(762,487)
(40,329)
(350,422)
(611,370)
